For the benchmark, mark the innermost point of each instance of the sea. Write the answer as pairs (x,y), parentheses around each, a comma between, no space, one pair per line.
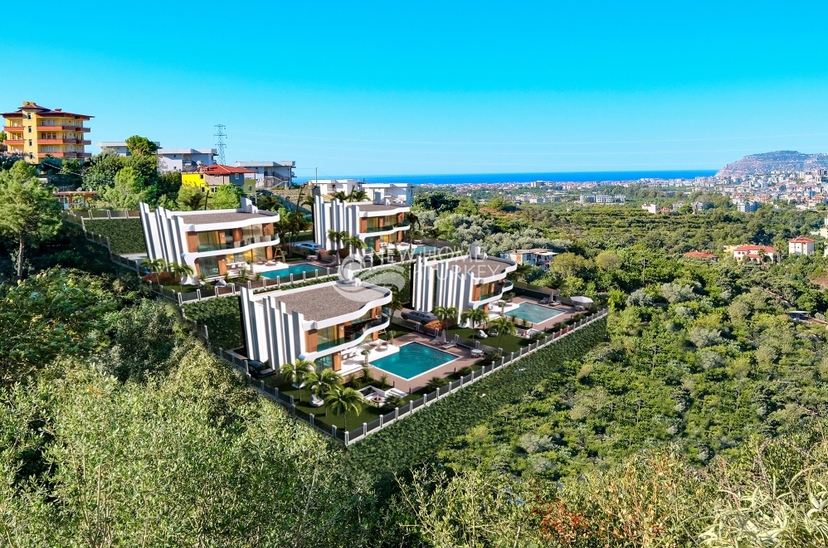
(503,178)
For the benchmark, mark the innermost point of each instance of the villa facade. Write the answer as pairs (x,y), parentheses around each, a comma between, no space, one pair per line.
(378,220)
(323,323)
(472,281)
(212,242)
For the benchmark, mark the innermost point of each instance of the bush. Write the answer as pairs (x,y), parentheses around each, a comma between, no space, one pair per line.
(408,442)
(125,235)
(437,382)
(222,317)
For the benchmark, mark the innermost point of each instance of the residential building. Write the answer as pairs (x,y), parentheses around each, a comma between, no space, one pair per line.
(71,199)
(650,208)
(35,132)
(398,193)
(472,281)
(801,246)
(380,221)
(754,253)
(323,323)
(534,257)
(747,207)
(216,175)
(270,174)
(118,148)
(701,255)
(212,242)
(185,159)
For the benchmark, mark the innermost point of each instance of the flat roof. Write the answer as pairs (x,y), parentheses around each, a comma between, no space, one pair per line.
(220,217)
(326,301)
(481,268)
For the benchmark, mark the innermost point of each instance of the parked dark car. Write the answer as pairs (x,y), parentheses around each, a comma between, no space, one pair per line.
(259,370)
(419,316)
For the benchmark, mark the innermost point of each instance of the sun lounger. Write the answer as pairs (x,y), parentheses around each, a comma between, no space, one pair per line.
(453,342)
(439,339)
(545,300)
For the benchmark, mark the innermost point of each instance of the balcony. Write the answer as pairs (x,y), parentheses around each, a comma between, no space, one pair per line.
(62,154)
(77,129)
(13,129)
(12,142)
(498,290)
(353,332)
(403,224)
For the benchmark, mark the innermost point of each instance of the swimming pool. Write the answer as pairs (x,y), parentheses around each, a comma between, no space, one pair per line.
(534,313)
(296,270)
(413,359)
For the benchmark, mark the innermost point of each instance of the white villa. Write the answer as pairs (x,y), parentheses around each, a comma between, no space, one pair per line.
(472,281)
(212,242)
(324,323)
(377,221)
(535,257)
(801,246)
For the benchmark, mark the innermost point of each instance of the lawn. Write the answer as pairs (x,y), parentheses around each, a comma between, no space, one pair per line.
(509,343)
(368,413)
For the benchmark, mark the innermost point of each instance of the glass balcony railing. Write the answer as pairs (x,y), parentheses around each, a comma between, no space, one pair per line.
(380,228)
(402,224)
(357,331)
(498,290)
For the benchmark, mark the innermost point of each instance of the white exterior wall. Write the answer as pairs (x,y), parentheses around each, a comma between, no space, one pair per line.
(333,215)
(165,233)
(798,248)
(274,335)
(175,159)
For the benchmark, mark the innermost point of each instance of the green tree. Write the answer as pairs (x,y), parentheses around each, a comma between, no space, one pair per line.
(141,146)
(445,314)
(102,171)
(503,326)
(337,237)
(343,401)
(357,196)
(128,191)
(353,243)
(29,214)
(190,198)
(474,316)
(296,373)
(225,197)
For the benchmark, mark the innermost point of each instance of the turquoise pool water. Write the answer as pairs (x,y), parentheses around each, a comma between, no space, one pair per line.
(534,313)
(295,269)
(413,359)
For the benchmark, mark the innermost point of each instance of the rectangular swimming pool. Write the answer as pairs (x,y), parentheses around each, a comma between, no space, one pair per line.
(296,270)
(413,359)
(534,313)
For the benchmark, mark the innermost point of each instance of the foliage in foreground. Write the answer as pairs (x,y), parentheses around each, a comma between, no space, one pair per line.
(125,235)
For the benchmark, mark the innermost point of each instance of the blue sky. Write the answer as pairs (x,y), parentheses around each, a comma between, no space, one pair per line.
(367,88)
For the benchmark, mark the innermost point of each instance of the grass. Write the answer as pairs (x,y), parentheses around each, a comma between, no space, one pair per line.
(509,343)
(366,415)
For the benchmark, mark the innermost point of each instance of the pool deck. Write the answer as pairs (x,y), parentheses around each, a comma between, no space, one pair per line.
(410,385)
(566,312)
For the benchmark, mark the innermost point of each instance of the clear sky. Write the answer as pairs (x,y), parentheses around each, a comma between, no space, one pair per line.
(367,88)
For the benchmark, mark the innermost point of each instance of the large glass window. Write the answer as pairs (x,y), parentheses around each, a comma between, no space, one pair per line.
(327,337)
(208,266)
(210,241)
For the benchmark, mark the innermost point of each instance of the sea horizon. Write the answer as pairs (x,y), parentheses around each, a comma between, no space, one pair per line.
(505,178)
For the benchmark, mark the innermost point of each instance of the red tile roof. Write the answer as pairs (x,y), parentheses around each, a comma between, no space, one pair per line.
(700,255)
(750,248)
(219,169)
(801,240)
(43,111)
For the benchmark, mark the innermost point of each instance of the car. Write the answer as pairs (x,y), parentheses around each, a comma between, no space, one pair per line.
(311,246)
(419,316)
(259,370)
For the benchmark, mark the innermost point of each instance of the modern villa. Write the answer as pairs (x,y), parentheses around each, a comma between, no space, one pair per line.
(212,242)
(377,221)
(472,281)
(324,323)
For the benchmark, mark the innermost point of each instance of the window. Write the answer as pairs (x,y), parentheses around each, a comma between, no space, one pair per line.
(30,129)
(28,115)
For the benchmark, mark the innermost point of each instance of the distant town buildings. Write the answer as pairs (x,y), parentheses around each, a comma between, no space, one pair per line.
(603,199)
(35,132)
(533,257)
(217,175)
(753,253)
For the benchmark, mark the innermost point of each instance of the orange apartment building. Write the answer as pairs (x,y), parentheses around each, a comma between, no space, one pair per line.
(35,132)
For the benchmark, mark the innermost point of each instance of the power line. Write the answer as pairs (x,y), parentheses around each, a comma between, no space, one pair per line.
(220,135)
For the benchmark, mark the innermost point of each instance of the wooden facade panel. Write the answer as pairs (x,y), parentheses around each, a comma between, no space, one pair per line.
(192,242)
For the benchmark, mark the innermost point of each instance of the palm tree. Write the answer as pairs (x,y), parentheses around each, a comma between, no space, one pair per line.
(343,400)
(357,195)
(296,373)
(474,316)
(323,383)
(444,314)
(156,265)
(353,243)
(519,273)
(339,195)
(180,270)
(412,221)
(337,237)
(396,304)
(503,325)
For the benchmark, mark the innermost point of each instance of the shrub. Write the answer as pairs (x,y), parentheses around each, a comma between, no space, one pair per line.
(437,382)
(125,235)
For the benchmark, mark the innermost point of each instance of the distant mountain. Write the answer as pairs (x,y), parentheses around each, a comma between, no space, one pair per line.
(782,160)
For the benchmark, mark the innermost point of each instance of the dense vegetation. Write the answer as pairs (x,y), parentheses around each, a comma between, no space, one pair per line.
(125,235)
(699,420)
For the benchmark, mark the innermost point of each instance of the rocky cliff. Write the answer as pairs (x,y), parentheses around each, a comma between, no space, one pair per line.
(782,160)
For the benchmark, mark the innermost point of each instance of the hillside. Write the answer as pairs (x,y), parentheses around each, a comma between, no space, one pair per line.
(781,160)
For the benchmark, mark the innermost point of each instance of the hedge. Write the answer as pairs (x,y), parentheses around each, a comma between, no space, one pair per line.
(223,320)
(416,438)
(125,235)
